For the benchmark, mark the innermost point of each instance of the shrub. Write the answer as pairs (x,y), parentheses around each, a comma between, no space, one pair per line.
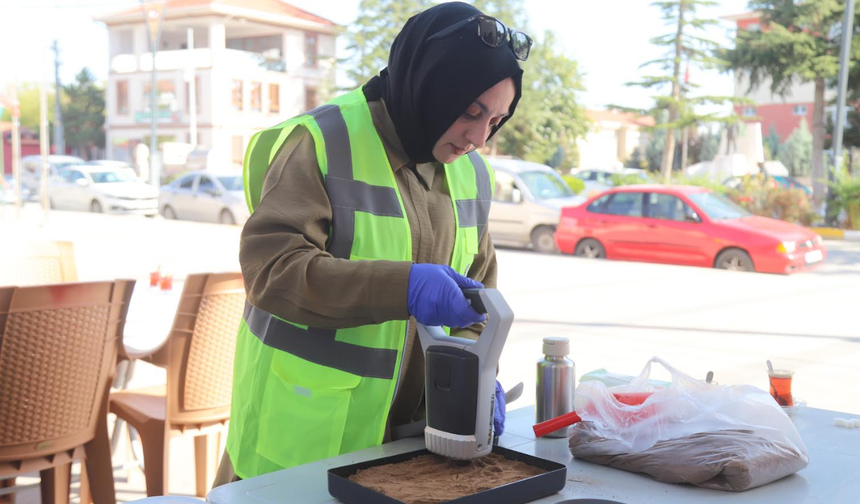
(846,197)
(763,196)
(576,185)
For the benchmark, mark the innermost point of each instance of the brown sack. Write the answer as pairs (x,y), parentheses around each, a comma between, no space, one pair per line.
(733,460)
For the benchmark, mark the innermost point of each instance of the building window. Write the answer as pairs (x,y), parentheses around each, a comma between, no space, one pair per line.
(754,27)
(166,100)
(126,41)
(196,94)
(256,97)
(310,98)
(311,49)
(799,110)
(749,111)
(274,98)
(122,97)
(238,149)
(237,95)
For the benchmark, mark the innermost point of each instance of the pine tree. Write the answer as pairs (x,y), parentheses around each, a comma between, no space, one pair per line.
(84,113)
(797,42)
(685,45)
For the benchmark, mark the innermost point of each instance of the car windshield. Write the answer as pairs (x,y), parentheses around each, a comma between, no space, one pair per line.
(545,185)
(718,207)
(110,177)
(231,183)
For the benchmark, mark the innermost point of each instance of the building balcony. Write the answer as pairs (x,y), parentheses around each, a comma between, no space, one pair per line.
(196,58)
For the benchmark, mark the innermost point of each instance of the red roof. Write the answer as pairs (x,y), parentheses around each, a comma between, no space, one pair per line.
(618,116)
(263,6)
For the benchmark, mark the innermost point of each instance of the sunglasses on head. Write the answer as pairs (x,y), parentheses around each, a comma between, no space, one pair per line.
(494,34)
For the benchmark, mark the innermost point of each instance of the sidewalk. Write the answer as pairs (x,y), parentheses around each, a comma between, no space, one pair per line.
(829,233)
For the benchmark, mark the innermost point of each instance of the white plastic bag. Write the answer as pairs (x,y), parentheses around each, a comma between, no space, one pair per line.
(761,443)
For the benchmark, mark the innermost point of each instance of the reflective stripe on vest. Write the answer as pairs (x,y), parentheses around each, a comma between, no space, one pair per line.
(475,212)
(345,193)
(319,346)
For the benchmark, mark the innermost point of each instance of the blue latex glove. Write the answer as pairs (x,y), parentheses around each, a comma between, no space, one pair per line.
(499,413)
(435,296)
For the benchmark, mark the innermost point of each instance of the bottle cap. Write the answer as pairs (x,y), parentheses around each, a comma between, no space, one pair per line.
(556,346)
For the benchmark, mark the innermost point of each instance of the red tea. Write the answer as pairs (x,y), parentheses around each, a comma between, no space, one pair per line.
(166,282)
(154,278)
(780,386)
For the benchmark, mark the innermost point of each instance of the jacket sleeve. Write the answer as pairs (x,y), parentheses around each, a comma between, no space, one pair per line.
(484,269)
(287,270)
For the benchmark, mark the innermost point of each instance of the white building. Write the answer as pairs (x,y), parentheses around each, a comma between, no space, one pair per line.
(611,139)
(255,64)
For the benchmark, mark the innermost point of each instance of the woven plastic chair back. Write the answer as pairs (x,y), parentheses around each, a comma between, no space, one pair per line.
(201,348)
(38,263)
(58,346)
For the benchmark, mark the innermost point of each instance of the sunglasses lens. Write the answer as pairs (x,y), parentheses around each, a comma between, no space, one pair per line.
(521,45)
(492,32)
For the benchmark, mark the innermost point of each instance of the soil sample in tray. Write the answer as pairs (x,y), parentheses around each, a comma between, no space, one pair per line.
(432,479)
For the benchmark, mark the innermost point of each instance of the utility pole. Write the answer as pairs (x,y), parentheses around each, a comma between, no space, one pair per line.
(191,77)
(59,139)
(153,14)
(44,145)
(847,33)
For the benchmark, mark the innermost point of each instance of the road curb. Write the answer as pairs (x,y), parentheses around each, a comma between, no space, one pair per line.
(829,233)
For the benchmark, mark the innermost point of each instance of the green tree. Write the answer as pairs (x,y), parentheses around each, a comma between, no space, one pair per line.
(684,44)
(370,36)
(28,97)
(84,113)
(549,114)
(796,43)
(771,141)
(796,152)
(510,12)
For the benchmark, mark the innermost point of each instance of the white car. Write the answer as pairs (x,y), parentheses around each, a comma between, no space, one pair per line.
(527,204)
(205,196)
(98,189)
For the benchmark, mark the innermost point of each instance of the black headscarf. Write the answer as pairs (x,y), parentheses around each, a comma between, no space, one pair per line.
(428,85)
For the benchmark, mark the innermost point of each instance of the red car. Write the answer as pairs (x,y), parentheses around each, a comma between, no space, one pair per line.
(684,225)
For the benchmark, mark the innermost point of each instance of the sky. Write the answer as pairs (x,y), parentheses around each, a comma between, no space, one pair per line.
(608,38)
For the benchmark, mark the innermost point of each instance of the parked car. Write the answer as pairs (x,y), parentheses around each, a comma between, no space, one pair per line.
(8,194)
(597,181)
(31,171)
(527,203)
(685,225)
(205,196)
(98,189)
(782,181)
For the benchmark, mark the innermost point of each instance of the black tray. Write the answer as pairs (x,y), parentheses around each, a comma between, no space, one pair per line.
(518,492)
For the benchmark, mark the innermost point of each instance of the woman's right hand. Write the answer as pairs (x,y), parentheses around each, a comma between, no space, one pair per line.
(435,296)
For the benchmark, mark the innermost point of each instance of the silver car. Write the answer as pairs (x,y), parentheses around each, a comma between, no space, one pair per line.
(205,196)
(527,204)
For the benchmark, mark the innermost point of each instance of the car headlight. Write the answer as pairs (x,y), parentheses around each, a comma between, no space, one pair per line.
(786,247)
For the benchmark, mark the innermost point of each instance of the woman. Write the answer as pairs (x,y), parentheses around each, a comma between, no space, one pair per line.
(366,211)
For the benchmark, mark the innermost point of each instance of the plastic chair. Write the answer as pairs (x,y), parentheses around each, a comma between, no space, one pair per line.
(38,263)
(58,347)
(198,356)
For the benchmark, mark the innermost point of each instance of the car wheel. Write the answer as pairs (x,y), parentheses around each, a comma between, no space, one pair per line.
(734,260)
(168,212)
(227,218)
(590,249)
(543,240)
(96,207)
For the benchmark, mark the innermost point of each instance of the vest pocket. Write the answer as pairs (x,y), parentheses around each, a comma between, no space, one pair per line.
(304,411)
